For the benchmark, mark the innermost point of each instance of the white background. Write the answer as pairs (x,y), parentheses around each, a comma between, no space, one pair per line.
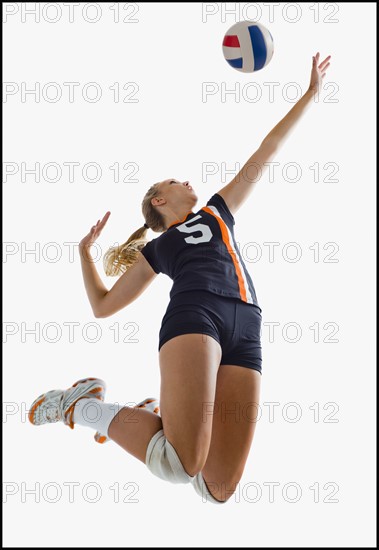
(171,131)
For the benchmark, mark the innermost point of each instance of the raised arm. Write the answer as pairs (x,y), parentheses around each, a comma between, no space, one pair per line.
(128,287)
(237,191)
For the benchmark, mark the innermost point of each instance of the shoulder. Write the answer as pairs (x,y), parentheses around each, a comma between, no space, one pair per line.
(219,207)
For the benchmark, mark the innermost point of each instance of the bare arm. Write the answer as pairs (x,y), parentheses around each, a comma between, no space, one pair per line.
(128,287)
(94,286)
(237,191)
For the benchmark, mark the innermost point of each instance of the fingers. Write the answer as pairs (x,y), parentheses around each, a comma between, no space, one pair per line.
(322,65)
(317,57)
(100,224)
(104,220)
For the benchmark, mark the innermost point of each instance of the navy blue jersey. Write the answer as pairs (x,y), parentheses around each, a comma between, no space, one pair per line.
(200,252)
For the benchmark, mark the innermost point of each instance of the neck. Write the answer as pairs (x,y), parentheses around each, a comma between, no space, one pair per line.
(177,216)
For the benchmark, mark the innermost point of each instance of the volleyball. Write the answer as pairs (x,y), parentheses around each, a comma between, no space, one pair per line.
(248,46)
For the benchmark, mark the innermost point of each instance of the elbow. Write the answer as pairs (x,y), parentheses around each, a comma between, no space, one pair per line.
(99,309)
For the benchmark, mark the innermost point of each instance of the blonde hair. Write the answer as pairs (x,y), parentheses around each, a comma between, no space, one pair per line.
(119,258)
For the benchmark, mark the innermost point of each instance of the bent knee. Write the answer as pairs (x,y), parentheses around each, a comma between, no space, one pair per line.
(193,462)
(223,489)
(193,457)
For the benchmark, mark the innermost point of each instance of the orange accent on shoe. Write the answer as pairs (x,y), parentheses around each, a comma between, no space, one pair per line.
(96,390)
(82,380)
(70,411)
(156,410)
(99,438)
(33,409)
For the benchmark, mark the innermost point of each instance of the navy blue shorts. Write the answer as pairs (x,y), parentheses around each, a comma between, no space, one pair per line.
(236,325)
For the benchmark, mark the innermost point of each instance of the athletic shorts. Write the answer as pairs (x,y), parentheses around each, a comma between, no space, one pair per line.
(236,325)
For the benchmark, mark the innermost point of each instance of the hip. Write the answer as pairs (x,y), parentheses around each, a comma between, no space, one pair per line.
(227,314)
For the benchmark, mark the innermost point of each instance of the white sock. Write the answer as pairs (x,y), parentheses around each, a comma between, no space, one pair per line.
(95,414)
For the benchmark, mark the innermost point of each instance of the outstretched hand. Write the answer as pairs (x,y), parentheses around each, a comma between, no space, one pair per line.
(318,72)
(94,233)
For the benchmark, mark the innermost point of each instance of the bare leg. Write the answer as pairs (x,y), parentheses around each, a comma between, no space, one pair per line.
(132,428)
(234,423)
(188,365)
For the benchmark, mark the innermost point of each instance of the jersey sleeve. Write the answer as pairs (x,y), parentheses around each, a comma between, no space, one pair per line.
(218,201)
(149,251)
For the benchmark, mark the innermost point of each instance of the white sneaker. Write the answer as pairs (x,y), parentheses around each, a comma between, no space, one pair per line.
(150,403)
(56,405)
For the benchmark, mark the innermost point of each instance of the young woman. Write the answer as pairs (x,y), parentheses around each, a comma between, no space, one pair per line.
(209,341)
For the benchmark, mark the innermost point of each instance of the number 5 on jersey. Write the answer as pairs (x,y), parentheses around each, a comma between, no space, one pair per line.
(206,233)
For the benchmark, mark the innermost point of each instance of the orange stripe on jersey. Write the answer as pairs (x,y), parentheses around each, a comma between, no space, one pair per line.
(225,238)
